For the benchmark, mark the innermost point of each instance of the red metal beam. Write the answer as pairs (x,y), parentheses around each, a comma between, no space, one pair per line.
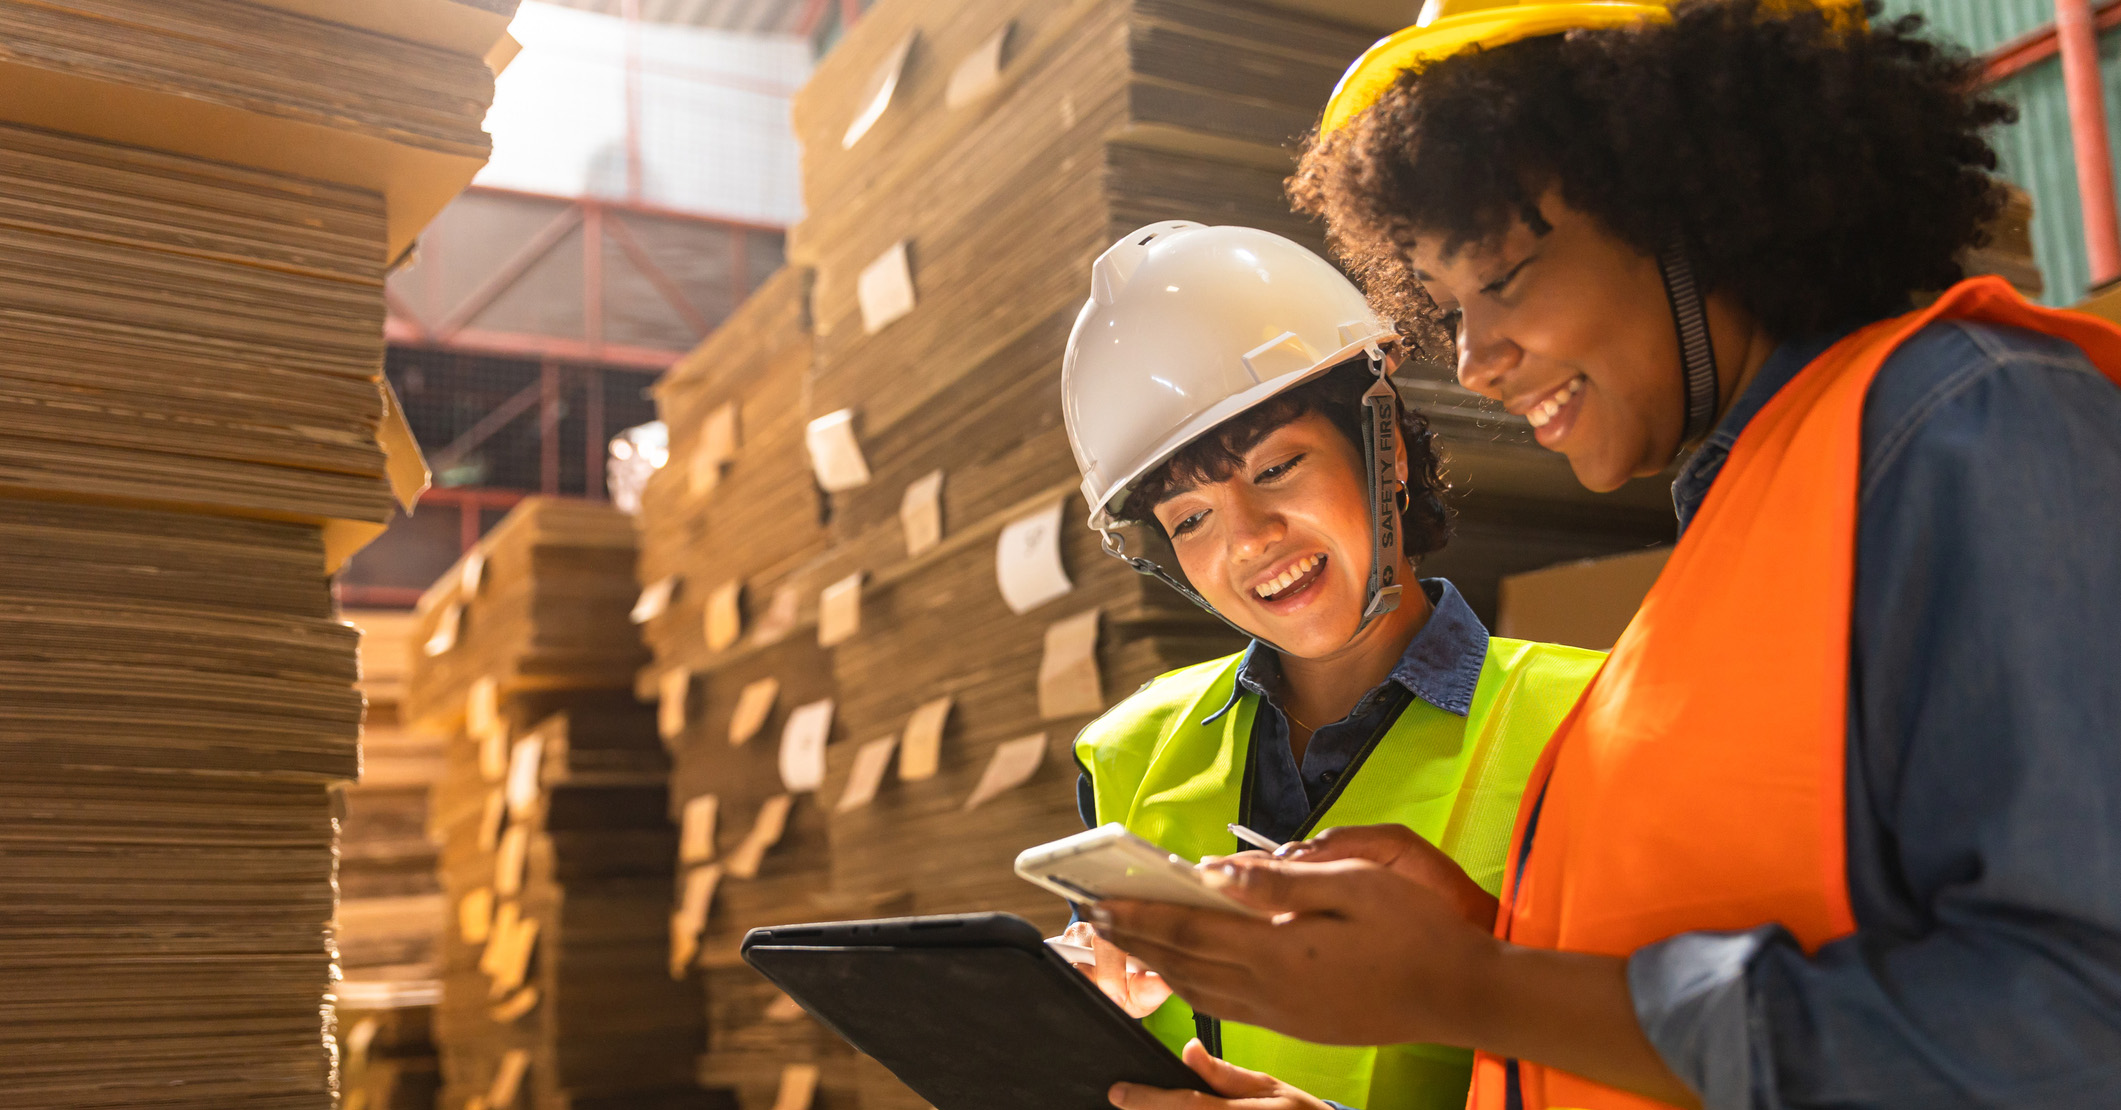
(496,418)
(634,207)
(2079,43)
(593,445)
(813,14)
(499,282)
(593,274)
(549,427)
(622,235)
(508,344)
(2028,50)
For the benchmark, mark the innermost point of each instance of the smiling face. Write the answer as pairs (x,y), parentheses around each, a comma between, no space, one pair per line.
(1571,330)
(1282,545)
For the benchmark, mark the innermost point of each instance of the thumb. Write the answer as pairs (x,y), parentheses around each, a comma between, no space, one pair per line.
(1278,886)
(1229,1080)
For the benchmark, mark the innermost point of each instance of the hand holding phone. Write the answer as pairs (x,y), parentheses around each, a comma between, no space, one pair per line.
(1110,862)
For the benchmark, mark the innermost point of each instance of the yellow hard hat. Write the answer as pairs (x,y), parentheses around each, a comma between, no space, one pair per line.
(1446,27)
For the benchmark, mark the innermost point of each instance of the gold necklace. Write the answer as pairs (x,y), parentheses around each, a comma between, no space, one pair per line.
(1299,724)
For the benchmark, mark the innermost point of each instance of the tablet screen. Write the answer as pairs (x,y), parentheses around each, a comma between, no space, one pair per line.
(975,1028)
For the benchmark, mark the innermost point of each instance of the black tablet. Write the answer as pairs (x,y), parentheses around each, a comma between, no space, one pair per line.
(972,1011)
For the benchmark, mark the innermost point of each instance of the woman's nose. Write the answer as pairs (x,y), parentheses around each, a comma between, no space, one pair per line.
(1253,532)
(1483,358)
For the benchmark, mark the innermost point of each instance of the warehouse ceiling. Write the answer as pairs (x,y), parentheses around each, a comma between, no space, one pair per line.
(786,16)
(783,17)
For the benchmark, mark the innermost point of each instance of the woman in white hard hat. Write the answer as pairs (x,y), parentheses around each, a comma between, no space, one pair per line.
(1839,823)
(1225,389)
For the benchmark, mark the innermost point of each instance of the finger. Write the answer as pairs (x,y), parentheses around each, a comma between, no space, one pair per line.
(1207,860)
(1080,932)
(1281,886)
(1146,990)
(1110,971)
(1202,933)
(1134,1096)
(1379,844)
(1227,1079)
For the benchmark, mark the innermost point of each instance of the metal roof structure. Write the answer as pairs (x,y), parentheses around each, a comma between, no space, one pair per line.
(783,17)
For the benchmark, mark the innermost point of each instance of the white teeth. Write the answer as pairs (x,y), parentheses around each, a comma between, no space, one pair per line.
(1548,409)
(1283,580)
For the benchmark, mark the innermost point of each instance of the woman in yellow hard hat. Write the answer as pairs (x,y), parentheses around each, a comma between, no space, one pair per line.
(1839,823)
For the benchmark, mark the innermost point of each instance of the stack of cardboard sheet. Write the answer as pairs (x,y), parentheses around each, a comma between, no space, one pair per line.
(556,852)
(391,908)
(197,203)
(175,697)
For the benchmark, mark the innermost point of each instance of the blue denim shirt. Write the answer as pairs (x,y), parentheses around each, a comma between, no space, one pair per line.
(1984,761)
(1441,666)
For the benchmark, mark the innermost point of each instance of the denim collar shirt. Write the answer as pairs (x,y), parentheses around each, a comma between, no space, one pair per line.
(1983,761)
(1441,666)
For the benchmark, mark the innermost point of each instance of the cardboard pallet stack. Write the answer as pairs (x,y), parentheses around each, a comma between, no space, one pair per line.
(555,850)
(911,364)
(197,204)
(390,902)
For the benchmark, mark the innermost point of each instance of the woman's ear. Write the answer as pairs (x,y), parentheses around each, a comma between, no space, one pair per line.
(1399,454)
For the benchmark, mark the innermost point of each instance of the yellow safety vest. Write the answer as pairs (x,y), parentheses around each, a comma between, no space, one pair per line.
(1175,778)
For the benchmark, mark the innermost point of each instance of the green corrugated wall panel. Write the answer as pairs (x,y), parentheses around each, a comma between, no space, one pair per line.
(1981,25)
(2035,151)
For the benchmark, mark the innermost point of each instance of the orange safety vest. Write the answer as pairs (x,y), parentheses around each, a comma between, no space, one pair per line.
(1699,783)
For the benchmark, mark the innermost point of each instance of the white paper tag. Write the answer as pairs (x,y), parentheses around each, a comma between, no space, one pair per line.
(696,831)
(978,72)
(1068,684)
(673,691)
(1028,561)
(472,574)
(920,513)
(523,764)
(1014,763)
(885,288)
(803,746)
(654,599)
(725,616)
(870,763)
(839,611)
(835,453)
(920,753)
(881,86)
(446,627)
(766,830)
(753,706)
(798,1087)
(778,620)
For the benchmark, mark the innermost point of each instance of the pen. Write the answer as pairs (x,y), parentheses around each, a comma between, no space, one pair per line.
(1257,840)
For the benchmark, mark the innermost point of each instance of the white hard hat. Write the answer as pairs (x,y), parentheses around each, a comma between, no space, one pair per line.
(1186,327)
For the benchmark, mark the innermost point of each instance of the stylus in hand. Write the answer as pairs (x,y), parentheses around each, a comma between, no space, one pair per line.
(1255,839)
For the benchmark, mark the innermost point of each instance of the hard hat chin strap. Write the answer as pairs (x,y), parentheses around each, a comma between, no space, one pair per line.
(1697,356)
(1380,449)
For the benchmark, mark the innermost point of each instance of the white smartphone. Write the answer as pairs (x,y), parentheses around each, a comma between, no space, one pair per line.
(1110,862)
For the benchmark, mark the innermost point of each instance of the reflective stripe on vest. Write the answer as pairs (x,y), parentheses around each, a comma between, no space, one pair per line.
(1699,786)
(1159,766)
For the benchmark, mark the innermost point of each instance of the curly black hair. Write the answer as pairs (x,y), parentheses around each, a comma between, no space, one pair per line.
(1425,525)
(1819,173)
